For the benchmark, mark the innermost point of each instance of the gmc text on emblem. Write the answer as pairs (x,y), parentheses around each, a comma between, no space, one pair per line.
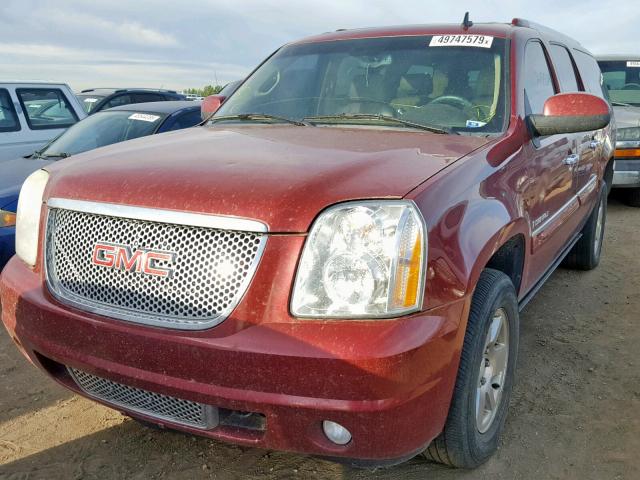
(144,261)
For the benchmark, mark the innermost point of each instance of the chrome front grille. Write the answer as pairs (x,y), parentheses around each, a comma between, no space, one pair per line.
(155,405)
(209,268)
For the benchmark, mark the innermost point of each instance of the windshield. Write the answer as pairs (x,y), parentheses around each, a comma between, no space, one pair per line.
(89,102)
(101,129)
(455,81)
(622,79)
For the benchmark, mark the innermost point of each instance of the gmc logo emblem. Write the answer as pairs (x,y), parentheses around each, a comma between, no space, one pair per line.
(122,257)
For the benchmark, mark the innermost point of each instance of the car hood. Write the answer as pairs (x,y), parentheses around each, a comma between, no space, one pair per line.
(627,116)
(280,175)
(12,174)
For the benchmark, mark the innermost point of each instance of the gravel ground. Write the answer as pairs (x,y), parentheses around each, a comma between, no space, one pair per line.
(574,413)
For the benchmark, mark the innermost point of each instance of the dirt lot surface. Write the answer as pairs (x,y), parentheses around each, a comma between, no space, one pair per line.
(575,411)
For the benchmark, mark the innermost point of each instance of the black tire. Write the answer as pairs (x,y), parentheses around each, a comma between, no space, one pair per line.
(585,255)
(632,197)
(461,444)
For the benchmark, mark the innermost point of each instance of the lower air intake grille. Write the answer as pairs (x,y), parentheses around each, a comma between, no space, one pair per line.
(155,405)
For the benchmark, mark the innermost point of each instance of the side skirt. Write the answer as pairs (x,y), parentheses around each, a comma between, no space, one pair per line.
(527,298)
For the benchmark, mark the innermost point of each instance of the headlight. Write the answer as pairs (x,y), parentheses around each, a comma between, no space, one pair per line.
(7,219)
(362,260)
(28,218)
(628,137)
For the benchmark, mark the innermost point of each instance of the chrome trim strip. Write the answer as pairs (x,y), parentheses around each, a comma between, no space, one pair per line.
(584,191)
(589,187)
(554,217)
(174,217)
(622,144)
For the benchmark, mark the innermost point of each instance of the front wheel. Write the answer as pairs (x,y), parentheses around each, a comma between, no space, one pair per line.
(485,376)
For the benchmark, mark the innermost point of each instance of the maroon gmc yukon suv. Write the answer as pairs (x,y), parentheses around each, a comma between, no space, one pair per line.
(335,263)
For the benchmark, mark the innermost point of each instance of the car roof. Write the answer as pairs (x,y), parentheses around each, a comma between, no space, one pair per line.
(499,30)
(109,91)
(157,107)
(39,82)
(618,58)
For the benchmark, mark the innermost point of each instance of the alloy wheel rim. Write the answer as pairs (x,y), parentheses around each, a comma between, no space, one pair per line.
(599,226)
(493,371)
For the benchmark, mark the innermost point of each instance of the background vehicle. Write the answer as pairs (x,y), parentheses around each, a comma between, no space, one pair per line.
(104,128)
(337,264)
(95,99)
(621,74)
(32,113)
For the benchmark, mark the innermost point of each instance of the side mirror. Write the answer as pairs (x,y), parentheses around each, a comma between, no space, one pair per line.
(570,113)
(210,105)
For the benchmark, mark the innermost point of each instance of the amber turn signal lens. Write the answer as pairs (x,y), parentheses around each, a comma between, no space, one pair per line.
(628,153)
(7,219)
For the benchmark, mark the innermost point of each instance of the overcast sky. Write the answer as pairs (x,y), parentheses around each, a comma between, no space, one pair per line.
(173,44)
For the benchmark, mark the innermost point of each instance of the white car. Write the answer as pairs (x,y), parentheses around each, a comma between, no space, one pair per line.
(32,113)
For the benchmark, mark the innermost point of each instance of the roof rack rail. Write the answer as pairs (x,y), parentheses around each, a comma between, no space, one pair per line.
(523,22)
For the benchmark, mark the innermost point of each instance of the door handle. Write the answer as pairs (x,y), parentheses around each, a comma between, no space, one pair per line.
(594,144)
(572,159)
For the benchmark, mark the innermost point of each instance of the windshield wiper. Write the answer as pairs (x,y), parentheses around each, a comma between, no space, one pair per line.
(621,104)
(52,155)
(383,118)
(258,116)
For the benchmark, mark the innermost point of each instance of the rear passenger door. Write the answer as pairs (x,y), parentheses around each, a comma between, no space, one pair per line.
(43,112)
(551,204)
(10,128)
(584,171)
(593,147)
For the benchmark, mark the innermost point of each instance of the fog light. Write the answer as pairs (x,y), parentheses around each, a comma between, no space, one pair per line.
(336,432)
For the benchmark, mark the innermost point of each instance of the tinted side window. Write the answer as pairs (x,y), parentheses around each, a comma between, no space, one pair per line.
(186,120)
(117,101)
(590,73)
(8,118)
(147,97)
(46,108)
(538,85)
(564,68)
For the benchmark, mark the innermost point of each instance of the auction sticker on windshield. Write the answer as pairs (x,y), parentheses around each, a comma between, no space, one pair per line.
(483,41)
(633,64)
(144,117)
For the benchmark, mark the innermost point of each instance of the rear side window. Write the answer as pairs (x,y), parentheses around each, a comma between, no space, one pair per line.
(564,68)
(538,85)
(46,108)
(147,97)
(117,101)
(8,117)
(590,73)
(186,120)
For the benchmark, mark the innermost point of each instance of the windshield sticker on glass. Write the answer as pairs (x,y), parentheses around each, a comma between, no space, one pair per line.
(144,117)
(91,100)
(633,64)
(475,124)
(482,41)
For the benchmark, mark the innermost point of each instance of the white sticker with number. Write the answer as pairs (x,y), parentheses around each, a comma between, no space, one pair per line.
(144,117)
(633,64)
(482,41)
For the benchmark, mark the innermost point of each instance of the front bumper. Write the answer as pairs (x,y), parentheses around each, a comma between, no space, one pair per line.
(626,173)
(388,381)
